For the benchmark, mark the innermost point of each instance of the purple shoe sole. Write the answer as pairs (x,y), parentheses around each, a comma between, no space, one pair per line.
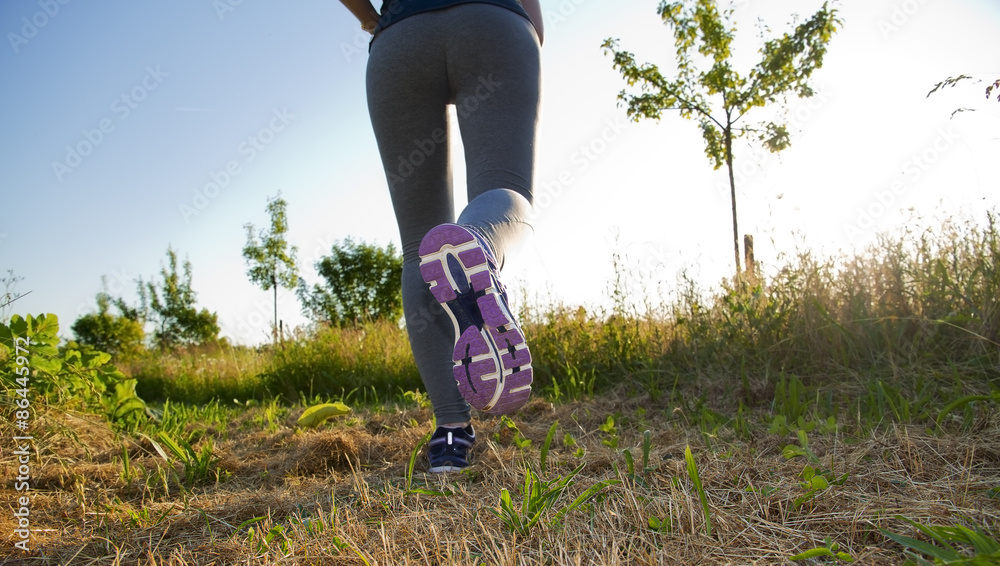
(492,361)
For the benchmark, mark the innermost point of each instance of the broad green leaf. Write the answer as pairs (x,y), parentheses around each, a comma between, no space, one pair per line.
(819,483)
(792,451)
(315,415)
(18,325)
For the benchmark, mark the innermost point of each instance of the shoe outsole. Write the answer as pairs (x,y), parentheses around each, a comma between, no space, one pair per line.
(445,469)
(492,361)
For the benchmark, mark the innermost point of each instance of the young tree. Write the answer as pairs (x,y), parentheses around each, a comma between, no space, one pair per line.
(172,309)
(720,97)
(270,262)
(117,335)
(362,283)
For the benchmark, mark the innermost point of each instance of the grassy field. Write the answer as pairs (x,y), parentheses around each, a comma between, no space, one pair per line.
(833,410)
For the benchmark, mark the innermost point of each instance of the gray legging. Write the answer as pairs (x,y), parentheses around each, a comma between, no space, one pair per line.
(484,60)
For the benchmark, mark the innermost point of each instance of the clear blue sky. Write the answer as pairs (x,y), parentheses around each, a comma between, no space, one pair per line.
(118,117)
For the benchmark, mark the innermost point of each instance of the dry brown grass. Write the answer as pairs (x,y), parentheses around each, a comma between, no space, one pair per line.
(80,510)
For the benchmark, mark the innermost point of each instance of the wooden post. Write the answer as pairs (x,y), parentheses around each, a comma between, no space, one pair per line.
(751,267)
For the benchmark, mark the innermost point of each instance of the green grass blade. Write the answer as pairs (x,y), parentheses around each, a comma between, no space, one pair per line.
(965,401)
(543,456)
(692,469)
(647,446)
(922,547)
(173,446)
(413,459)
(982,543)
(247,523)
(588,494)
(156,446)
(629,463)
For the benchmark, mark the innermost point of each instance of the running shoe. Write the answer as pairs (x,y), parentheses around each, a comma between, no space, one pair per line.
(492,362)
(449,449)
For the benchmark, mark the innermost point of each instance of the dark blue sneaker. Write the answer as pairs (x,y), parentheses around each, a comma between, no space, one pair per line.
(491,357)
(449,449)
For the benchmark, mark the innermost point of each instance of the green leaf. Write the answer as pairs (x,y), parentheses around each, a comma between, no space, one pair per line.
(819,483)
(173,446)
(792,451)
(692,469)
(6,337)
(647,444)
(315,415)
(413,458)
(45,329)
(432,492)
(813,553)
(921,546)
(134,405)
(544,453)
(587,494)
(18,325)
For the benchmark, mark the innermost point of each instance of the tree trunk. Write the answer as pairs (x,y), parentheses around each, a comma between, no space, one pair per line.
(748,259)
(274,328)
(732,190)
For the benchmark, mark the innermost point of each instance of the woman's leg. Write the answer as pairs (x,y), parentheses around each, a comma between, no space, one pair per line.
(485,61)
(408,94)
(496,89)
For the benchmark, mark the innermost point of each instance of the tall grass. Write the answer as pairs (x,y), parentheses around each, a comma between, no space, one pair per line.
(916,307)
(373,359)
(929,299)
(198,375)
